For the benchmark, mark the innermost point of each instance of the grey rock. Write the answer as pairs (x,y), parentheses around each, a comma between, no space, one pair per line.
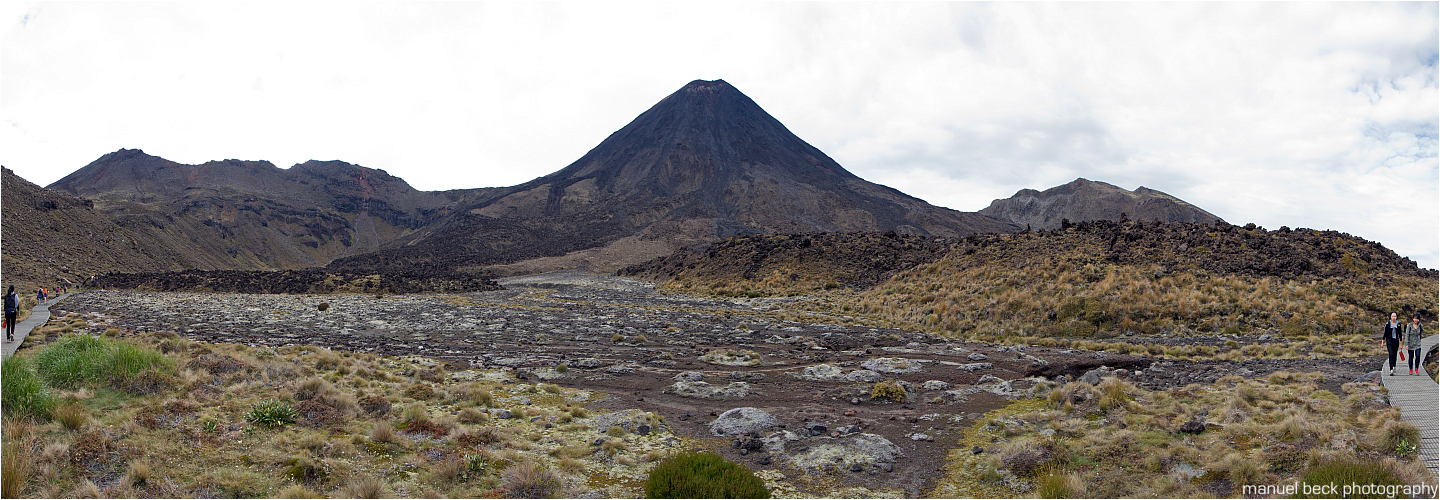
(818,373)
(703,390)
(738,421)
(864,449)
(975,367)
(690,376)
(863,376)
(975,356)
(893,365)
(935,385)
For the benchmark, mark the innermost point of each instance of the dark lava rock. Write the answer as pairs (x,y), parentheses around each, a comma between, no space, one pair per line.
(296,281)
(1192,427)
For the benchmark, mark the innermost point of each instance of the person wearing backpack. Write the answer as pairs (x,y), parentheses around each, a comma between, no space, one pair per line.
(12,309)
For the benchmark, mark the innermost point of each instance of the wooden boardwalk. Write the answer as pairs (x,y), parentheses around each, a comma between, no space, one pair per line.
(38,316)
(1418,398)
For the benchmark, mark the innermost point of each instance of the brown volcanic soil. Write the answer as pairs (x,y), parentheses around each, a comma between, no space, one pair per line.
(51,236)
(540,322)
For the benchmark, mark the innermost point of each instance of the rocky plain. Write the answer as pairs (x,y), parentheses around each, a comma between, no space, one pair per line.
(796,393)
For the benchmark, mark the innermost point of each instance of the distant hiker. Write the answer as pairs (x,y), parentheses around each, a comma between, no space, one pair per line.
(1392,339)
(12,309)
(1413,333)
(40,295)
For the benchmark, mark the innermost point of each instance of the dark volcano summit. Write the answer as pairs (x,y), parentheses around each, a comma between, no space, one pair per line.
(704,163)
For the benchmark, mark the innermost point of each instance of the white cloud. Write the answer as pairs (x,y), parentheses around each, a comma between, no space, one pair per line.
(1301,114)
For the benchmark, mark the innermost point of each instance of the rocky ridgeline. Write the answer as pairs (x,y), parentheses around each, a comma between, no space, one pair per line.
(855,260)
(1222,248)
(299,281)
(861,260)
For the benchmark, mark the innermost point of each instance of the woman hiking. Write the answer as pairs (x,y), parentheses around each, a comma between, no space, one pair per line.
(1392,340)
(1413,333)
(12,309)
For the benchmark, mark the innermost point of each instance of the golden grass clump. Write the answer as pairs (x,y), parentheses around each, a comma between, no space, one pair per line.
(71,415)
(529,480)
(383,432)
(365,486)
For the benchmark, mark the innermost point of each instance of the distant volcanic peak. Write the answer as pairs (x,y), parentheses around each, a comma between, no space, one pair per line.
(708,86)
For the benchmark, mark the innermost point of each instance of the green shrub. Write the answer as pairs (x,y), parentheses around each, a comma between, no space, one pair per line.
(25,395)
(1343,471)
(272,413)
(703,475)
(888,389)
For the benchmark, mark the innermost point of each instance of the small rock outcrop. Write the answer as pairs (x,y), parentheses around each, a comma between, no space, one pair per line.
(743,420)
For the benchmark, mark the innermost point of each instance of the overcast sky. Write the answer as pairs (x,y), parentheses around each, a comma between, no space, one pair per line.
(1318,115)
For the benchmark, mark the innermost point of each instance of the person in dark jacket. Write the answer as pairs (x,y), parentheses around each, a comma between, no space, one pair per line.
(1413,333)
(1393,331)
(12,309)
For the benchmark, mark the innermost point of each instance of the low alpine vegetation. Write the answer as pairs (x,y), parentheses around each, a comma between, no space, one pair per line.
(170,417)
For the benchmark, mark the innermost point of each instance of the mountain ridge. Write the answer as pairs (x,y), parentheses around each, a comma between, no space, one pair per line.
(1086,200)
(702,164)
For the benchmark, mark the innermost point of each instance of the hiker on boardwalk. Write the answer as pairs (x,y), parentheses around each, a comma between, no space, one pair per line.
(1393,331)
(1413,333)
(12,309)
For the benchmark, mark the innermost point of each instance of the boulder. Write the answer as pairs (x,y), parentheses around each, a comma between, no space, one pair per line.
(863,449)
(703,390)
(743,420)
(975,367)
(818,373)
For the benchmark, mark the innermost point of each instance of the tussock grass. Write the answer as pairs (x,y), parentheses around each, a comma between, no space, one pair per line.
(190,436)
(1060,288)
(1270,431)
(529,480)
(24,393)
(84,360)
(71,415)
(365,486)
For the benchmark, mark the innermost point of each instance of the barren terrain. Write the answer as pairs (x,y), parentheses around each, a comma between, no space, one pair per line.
(691,359)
